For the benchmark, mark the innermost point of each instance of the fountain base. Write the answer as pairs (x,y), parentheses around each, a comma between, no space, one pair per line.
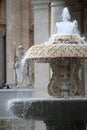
(55,125)
(65,79)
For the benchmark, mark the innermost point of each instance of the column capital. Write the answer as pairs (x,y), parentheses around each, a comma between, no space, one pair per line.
(57,2)
(40,2)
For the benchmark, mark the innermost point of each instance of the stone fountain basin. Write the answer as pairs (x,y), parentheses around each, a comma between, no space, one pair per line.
(50,109)
(49,52)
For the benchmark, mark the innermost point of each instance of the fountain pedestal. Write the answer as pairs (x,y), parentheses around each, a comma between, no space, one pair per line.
(65,79)
(55,125)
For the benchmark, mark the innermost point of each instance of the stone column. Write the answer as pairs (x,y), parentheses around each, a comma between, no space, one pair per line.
(25,23)
(41,35)
(14,35)
(85,32)
(17,33)
(85,24)
(79,14)
(56,11)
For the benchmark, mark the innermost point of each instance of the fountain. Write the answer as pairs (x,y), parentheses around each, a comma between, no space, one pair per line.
(66,107)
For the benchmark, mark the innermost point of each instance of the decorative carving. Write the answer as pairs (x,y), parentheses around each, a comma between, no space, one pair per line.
(65,79)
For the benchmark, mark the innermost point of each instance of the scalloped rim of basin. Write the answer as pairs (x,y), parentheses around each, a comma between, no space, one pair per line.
(56,51)
(50,109)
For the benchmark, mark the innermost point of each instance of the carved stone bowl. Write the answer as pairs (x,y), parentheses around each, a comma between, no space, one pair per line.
(48,52)
(64,57)
(50,109)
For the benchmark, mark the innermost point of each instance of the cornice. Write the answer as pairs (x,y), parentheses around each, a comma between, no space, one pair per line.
(40,2)
(57,2)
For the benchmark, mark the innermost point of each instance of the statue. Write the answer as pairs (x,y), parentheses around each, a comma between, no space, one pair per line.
(22,76)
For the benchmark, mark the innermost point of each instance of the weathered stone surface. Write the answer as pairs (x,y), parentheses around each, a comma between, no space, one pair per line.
(17,33)
(65,81)
(41,28)
(55,51)
(51,109)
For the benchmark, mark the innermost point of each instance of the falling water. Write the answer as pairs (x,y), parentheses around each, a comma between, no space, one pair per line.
(66,27)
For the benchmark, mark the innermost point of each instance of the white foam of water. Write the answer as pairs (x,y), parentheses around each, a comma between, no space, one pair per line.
(67,28)
(23,61)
